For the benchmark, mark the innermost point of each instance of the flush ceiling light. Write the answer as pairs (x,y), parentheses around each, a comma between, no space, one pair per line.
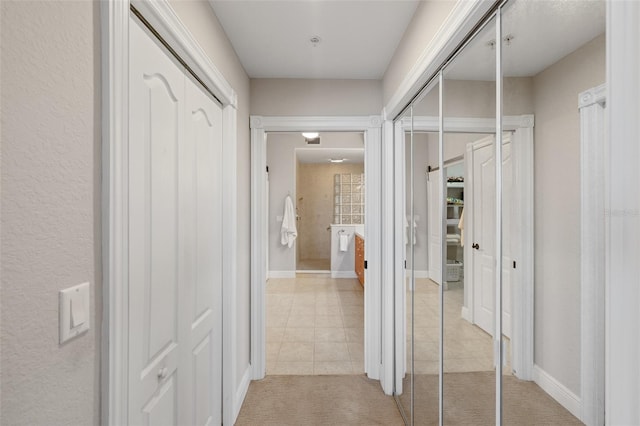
(337,160)
(310,135)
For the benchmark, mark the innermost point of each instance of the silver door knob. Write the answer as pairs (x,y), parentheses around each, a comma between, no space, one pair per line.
(162,373)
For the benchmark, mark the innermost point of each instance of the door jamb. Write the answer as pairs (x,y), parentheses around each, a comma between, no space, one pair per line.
(115,116)
(372,128)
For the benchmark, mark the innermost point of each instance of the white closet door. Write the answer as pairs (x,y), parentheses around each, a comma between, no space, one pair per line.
(434,212)
(155,125)
(201,191)
(175,254)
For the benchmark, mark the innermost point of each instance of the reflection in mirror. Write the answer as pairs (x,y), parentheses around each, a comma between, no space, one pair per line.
(426,294)
(544,73)
(468,184)
(404,342)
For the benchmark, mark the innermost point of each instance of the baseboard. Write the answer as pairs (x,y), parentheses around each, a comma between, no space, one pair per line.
(466,314)
(343,274)
(421,274)
(241,392)
(282,274)
(557,391)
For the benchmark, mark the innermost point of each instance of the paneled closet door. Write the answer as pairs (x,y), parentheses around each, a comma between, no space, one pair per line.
(201,191)
(175,256)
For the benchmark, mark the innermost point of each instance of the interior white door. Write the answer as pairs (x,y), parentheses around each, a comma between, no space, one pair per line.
(175,254)
(434,213)
(483,235)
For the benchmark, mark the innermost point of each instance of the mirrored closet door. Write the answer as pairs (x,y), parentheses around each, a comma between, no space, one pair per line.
(488,301)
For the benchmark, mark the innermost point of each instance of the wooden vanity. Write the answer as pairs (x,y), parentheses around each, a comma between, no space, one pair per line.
(359,258)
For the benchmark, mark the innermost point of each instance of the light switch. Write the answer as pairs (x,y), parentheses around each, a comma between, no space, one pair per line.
(74,311)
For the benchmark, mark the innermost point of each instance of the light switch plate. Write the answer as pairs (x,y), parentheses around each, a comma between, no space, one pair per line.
(74,311)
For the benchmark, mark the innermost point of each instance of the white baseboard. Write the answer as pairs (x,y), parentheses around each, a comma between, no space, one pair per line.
(343,274)
(466,314)
(421,274)
(282,274)
(241,392)
(557,391)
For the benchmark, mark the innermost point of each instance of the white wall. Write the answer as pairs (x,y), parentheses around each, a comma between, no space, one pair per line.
(298,97)
(557,216)
(199,18)
(281,161)
(50,231)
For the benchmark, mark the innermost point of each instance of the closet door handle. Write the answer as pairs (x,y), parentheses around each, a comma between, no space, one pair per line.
(475,246)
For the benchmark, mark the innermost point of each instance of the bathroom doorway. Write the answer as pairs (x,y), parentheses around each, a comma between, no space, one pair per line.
(329,192)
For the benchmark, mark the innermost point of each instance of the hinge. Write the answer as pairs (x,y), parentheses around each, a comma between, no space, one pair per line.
(267,169)
(514,264)
(365,264)
(405,264)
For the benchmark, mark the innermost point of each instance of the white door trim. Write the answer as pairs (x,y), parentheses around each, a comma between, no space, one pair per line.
(115,110)
(372,128)
(593,147)
(622,214)
(522,152)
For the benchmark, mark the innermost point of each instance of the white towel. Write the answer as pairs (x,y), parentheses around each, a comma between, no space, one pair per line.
(406,231)
(344,242)
(288,231)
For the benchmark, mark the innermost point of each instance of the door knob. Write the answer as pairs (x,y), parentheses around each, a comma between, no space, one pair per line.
(162,373)
(475,246)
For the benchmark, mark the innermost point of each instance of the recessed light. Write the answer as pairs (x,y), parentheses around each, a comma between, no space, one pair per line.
(337,160)
(310,135)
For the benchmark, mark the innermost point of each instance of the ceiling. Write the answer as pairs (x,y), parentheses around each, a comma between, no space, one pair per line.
(543,32)
(357,38)
(322,155)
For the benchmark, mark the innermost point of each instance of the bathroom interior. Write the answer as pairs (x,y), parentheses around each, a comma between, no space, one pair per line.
(315,286)
(324,177)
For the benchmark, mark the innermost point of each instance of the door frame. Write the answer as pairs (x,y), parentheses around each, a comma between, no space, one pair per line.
(522,152)
(593,150)
(115,118)
(371,126)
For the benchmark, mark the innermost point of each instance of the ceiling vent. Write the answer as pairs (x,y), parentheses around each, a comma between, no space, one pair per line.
(313,141)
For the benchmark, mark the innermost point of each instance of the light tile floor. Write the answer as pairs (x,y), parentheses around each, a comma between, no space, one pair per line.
(315,325)
(466,347)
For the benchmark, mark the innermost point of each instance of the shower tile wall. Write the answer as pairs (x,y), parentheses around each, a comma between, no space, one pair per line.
(348,198)
(315,203)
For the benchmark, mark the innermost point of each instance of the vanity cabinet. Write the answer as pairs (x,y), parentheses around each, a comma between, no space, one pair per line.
(359,259)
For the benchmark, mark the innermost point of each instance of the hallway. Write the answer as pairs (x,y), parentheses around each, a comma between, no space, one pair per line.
(318,400)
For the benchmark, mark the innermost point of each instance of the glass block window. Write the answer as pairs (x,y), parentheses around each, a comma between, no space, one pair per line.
(348,198)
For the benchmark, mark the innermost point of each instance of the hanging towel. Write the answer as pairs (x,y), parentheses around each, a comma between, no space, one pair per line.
(461,228)
(288,231)
(344,242)
(406,231)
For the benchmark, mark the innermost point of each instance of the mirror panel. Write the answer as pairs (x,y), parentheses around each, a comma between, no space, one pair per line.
(544,73)
(424,292)
(468,186)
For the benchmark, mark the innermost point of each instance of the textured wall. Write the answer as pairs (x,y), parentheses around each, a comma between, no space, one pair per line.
(557,215)
(274,96)
(199,18)
(314,199)
(50,87)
